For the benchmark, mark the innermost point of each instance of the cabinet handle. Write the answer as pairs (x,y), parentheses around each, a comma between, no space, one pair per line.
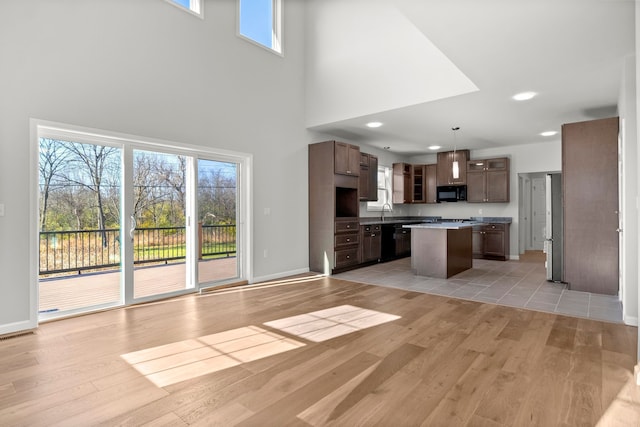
(348,171)
(348,226)
(373,234)
(348,256)
(348,240)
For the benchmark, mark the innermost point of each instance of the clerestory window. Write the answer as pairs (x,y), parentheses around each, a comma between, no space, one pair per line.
(193,6)
(260,22)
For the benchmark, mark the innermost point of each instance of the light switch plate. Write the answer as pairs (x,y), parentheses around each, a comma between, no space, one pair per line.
(1,209)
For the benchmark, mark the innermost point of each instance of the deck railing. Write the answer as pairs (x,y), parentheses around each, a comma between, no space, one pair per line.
(82,250)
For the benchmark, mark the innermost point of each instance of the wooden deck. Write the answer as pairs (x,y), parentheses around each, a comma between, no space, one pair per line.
(86,290)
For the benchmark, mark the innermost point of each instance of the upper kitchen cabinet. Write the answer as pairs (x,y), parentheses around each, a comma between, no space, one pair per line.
(431,178)
(445,167)
(418,183)
(402,191)
(347,159)
(368,184)
(488,180)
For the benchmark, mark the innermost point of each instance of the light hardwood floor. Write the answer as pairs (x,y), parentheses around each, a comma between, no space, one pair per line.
(320,351)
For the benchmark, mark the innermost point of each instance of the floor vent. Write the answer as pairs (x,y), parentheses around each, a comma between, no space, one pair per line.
(16,335)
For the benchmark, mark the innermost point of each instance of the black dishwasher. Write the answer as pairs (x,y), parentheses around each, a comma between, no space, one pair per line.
(396,241)
(403,241)
(388,242)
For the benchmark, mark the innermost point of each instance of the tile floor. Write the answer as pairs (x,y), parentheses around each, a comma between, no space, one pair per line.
(514,283)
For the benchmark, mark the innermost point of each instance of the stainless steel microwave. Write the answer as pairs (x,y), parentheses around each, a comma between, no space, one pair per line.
(451,193)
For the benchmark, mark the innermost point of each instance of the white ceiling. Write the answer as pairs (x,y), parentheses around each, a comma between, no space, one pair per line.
(571,52)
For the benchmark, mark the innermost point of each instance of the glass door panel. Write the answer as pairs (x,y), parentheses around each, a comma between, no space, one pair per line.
(217,221)
(159,222)
(79,222)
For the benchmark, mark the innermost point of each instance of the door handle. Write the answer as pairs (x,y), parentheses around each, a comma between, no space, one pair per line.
(132,226)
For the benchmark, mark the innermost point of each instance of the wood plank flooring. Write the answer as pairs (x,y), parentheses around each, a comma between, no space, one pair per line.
(442,362)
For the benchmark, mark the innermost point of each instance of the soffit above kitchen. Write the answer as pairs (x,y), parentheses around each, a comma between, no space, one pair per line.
(423,66)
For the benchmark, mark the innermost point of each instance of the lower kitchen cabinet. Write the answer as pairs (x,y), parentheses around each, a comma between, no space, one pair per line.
(346,243)
(371,243)
(491,241)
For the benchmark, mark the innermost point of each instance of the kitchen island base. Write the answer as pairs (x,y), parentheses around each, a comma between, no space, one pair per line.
(440,252)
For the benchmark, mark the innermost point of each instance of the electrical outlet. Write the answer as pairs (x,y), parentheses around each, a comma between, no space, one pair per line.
(479,211)
(1,209)
(265,254)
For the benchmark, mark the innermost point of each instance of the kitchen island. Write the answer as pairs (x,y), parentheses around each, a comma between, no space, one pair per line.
(441,250)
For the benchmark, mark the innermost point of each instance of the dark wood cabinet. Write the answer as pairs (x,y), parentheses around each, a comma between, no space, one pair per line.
(334,233)
(368,179)
(401,183)
(414,183)
(445,167)
(371,243)
(418,184)
(347,159)
(346,243)
(488,180)
(431,183)
(590,206)
(491,241)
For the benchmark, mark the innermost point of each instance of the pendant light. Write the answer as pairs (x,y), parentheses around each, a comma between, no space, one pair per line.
(455,168)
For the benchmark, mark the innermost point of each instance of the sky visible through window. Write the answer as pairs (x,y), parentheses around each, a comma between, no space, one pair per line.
(183,3)
(256,21)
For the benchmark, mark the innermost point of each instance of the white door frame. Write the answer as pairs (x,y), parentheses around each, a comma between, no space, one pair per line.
(128,142)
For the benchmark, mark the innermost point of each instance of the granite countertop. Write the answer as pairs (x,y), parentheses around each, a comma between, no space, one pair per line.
(397,220)
(434,220)
(443,225)
(492,219)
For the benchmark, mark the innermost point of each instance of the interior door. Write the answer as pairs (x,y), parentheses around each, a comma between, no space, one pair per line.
(538,211)
(548,228)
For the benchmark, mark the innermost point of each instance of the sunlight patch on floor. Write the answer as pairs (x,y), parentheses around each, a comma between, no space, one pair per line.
(330,323)
(183,360)
(171,363)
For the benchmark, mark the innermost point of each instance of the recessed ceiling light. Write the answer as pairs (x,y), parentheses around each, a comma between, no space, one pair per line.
(434,147)
(374,124)
(548,133)
(524,96)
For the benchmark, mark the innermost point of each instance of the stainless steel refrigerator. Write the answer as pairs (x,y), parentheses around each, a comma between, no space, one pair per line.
(553,227)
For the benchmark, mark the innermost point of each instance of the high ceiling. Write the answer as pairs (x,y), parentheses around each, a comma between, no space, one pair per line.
(570,52)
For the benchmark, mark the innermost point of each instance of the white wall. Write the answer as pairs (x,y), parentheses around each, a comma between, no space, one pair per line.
(629,193)
(357,69)
(148,68)
(530,158)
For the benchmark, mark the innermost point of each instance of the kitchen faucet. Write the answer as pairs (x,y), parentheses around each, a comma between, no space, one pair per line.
(386,204)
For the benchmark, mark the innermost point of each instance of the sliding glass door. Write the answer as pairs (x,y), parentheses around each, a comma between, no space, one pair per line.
(124,221)
(79,226)
(217,222)
(158,224)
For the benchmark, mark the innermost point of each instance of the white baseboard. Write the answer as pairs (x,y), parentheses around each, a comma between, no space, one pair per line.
(278,275)
(630,320)
(514,257)
(11,328)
